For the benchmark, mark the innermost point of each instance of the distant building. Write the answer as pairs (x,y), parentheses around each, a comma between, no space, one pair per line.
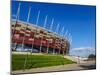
(37,39)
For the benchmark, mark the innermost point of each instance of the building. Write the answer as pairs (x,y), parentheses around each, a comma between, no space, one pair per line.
(29,37)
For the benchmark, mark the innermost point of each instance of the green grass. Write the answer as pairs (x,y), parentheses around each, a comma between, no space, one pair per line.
(35,61)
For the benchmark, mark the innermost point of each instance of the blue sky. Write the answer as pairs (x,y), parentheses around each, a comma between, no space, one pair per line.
(79,20)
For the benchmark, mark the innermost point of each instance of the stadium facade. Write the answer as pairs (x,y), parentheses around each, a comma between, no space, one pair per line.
(37,39)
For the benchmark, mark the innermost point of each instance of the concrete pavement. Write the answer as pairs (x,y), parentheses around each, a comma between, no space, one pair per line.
(76,59)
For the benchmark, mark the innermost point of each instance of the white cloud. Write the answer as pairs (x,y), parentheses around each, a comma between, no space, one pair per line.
(84,48)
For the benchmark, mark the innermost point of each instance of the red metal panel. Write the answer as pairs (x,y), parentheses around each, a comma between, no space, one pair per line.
(37,42)
(22,31)
(32,33)
(16,31)
(16,36)
(27,31)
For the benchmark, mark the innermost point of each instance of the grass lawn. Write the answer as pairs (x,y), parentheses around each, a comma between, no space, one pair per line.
(35,61)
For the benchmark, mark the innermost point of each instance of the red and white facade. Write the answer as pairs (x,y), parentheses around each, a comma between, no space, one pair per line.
(38,38)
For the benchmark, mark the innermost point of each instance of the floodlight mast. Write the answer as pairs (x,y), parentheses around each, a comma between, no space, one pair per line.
(65,34)
(24,37)
(62,34)
(36,28)
(62,31)
(45,22)
(51,25)
(58,26)
(52,22)
(17,17)
(18,12)
(69,40)
(35,31)
(55,38)
(26,28)
(38,17)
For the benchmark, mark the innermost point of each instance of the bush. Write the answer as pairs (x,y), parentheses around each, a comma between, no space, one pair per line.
(91,57)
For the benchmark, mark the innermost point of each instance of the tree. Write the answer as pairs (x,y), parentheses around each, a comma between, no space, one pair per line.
(91,57)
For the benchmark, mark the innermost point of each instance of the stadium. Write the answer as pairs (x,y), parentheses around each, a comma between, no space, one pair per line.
(36,39)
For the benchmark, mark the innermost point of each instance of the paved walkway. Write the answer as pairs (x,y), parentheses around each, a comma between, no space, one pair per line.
(78,60)
(68,67)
